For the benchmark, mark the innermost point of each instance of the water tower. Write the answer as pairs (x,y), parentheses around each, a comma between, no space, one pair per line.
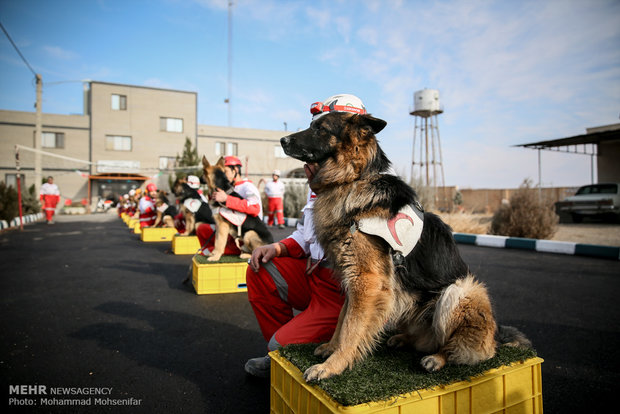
(427,160)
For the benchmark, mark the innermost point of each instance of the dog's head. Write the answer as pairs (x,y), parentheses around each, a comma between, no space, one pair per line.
(162,198)
(177,187)
(338,148)
(213,174)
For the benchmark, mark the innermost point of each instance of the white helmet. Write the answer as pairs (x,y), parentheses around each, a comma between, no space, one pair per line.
(276,172)
(132,192)
(193,182)
(338,103)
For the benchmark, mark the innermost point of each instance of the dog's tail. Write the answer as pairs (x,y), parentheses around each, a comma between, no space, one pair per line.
(511,336)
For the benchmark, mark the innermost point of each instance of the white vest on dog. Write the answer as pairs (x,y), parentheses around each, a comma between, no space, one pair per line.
(402,232)
(237,218)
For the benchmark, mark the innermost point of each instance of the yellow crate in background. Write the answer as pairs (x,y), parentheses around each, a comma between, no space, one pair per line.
(158,234)
(185,244)
(218,277)
(131,222)
(136,227)
(509,389)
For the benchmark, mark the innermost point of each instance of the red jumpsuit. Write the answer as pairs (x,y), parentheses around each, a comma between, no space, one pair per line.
(50,196)
(148,211)
(275,195)
(282,285)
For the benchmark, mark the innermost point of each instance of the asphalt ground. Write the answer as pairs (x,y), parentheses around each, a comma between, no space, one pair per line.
(87,305)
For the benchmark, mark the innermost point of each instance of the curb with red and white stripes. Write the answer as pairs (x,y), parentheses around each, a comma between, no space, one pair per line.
(547,246)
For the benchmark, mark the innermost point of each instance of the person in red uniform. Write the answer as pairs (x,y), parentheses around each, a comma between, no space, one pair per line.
(274,190)
(146,206)
(291,274)
(50,196)
(250,204)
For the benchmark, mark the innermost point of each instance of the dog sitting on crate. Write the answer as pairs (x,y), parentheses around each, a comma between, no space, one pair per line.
(193,205)
(237,208)
(399,266)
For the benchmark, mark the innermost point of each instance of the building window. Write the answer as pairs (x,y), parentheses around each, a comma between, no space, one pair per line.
(171,124)
(278,152)
(119,102)
(226,148)
(117,143)
(52,140)
(231,148)
(167,163)
(11,181)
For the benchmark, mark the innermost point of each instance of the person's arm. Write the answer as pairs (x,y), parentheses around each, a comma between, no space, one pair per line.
(248,206)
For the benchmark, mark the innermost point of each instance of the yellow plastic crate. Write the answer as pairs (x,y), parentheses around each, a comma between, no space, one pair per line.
(185,244)
(509,389)
(136,227)
(157,234)
(218,277)
(131,223)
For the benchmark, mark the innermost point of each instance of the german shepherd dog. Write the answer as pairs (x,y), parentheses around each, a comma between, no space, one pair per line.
(251,234)
(427,297)
(190,199)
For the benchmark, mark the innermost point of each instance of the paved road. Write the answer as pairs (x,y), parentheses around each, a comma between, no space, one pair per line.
(86,304)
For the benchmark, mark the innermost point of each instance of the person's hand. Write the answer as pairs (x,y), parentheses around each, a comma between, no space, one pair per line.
(263,254)
(219,195)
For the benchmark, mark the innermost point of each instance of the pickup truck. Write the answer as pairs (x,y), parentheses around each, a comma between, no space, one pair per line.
(602,200)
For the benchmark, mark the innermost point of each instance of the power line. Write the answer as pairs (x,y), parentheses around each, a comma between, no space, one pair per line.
(17,49)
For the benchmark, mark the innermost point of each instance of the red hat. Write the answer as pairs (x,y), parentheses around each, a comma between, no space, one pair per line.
(151,187)
(231,161)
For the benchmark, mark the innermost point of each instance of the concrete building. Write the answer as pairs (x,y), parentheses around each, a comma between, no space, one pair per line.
(128,135)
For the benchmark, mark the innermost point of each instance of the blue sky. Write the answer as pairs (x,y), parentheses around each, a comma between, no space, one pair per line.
(508,72)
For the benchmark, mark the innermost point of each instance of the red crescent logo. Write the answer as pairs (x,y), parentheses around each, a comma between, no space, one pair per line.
(392,225)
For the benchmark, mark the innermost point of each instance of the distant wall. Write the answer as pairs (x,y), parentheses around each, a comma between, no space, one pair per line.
(489,200)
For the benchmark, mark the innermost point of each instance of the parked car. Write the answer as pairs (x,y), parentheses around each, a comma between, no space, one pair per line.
(602,200)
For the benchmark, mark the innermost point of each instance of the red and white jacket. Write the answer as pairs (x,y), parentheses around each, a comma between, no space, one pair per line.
(148,211)
(251,203)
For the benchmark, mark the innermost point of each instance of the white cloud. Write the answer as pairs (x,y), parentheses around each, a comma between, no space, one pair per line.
(58,52)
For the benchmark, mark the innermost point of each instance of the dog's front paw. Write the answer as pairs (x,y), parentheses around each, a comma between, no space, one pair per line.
(317,372)
(397,341)
(214,257)
(433,363)
(324,350)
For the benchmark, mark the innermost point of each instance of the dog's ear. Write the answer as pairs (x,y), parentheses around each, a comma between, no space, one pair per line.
(205,162)
(220,163)
(375,124)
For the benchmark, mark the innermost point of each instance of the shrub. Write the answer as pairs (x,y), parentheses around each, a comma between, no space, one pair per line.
(294,199)
(525,215)
(30,201)
(8,202)
(9,208)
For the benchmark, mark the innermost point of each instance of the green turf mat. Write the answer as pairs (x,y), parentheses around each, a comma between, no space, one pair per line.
(224,259)
(391,372)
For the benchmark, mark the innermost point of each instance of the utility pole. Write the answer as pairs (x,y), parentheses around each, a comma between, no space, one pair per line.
(37,138)
(229,99)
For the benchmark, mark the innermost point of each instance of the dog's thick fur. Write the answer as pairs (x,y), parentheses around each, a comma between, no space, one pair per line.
(254,232)
(430,299)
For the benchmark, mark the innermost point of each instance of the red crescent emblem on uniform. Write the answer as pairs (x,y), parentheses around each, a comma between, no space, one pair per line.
(392,225)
